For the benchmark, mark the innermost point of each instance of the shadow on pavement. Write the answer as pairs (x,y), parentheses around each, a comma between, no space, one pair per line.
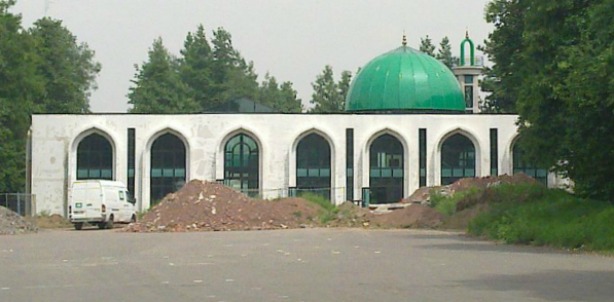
(556,285)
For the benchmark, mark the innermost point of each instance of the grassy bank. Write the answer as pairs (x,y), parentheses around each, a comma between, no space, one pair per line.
(533,215)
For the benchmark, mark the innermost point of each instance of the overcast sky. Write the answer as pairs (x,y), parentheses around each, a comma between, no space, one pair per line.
(292,40)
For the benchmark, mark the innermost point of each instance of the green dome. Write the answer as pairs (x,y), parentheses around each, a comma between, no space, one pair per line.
(405,79)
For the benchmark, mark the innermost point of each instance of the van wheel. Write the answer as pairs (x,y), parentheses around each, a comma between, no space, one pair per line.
(102,225)
(133,219)
(110,222)
(78,226)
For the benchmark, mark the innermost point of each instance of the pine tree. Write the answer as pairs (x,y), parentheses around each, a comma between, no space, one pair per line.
(158,86)
(427,47)
(329,96)
(445,53)
(195,69)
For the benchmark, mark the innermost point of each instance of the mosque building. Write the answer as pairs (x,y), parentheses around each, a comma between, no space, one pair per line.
(410,122)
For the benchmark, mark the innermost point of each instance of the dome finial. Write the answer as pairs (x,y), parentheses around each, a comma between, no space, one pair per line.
(404,42)
(466,33)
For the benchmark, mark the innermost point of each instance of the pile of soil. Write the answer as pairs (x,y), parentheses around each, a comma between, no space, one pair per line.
(423,195)
(208,206)
(12,223)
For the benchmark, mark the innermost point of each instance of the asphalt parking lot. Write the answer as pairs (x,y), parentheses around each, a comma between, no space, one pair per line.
(292,265)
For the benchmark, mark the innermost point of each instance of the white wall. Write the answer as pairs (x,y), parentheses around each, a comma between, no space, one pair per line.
(55,139)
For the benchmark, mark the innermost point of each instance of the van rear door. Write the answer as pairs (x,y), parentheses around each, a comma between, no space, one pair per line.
(86,201)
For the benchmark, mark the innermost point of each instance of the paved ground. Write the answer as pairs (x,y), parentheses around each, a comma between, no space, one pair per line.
(292,265)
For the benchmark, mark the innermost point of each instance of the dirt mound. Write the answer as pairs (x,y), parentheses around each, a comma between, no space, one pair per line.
(489,181)
(414,216)
(12,223)
(208,206)
(423,195)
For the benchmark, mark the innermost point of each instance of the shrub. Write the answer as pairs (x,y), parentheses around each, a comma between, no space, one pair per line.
(547,217)
(328,208)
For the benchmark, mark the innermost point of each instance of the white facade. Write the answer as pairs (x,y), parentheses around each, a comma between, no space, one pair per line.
(55,138)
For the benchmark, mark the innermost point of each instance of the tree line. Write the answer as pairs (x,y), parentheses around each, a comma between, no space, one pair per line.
(207,76)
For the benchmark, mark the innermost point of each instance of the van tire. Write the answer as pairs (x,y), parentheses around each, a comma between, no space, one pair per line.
(102,225)
(133,219)
(78,226)
(110,222)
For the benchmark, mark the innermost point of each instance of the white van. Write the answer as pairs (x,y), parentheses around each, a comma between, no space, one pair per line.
(100,202)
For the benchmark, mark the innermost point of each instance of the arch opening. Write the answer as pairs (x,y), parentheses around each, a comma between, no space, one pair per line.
(522,164)
(168,166)
(386,174)
(313,166)
(95,158)
(458,159)
(241,164)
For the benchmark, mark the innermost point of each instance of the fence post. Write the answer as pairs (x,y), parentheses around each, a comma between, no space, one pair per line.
(19,204)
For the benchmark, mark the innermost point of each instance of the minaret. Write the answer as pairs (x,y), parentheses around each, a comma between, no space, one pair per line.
(467,74)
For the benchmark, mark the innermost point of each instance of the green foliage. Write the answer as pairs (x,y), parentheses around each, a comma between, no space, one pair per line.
(43,69)
(502,47)
(329,210)
(282,97)
(444,54)
(67,67)
(550,217)
(426,46)
(206,77)
(232,76)
(195,68)
(553,64)
(329,96)
(158,86)
(446,204)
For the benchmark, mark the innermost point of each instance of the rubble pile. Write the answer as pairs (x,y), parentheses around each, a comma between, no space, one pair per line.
(423,195)
(12,223)
(208,206)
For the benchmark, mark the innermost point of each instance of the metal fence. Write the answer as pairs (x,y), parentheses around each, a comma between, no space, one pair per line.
(20,203)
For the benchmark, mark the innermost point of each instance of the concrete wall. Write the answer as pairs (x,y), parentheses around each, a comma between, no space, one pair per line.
(55,139)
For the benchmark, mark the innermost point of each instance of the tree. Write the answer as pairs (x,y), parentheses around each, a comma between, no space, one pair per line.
(196,69)
(503,47)
(233,78)
(343,86)
(445,53)
(427,47)
(279,97)
(158,86)
(290,101)
(20,84)
(560,76)
(68,68)
(328,96)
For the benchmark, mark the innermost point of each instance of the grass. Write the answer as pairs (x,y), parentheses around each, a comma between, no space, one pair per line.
(533,215)
(447,204)
(329,210)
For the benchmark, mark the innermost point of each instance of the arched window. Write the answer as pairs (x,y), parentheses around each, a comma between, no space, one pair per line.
(168,166)
(241,167)
(313,165)
(386,175)
(457,159)
(95,158)
(521,164)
